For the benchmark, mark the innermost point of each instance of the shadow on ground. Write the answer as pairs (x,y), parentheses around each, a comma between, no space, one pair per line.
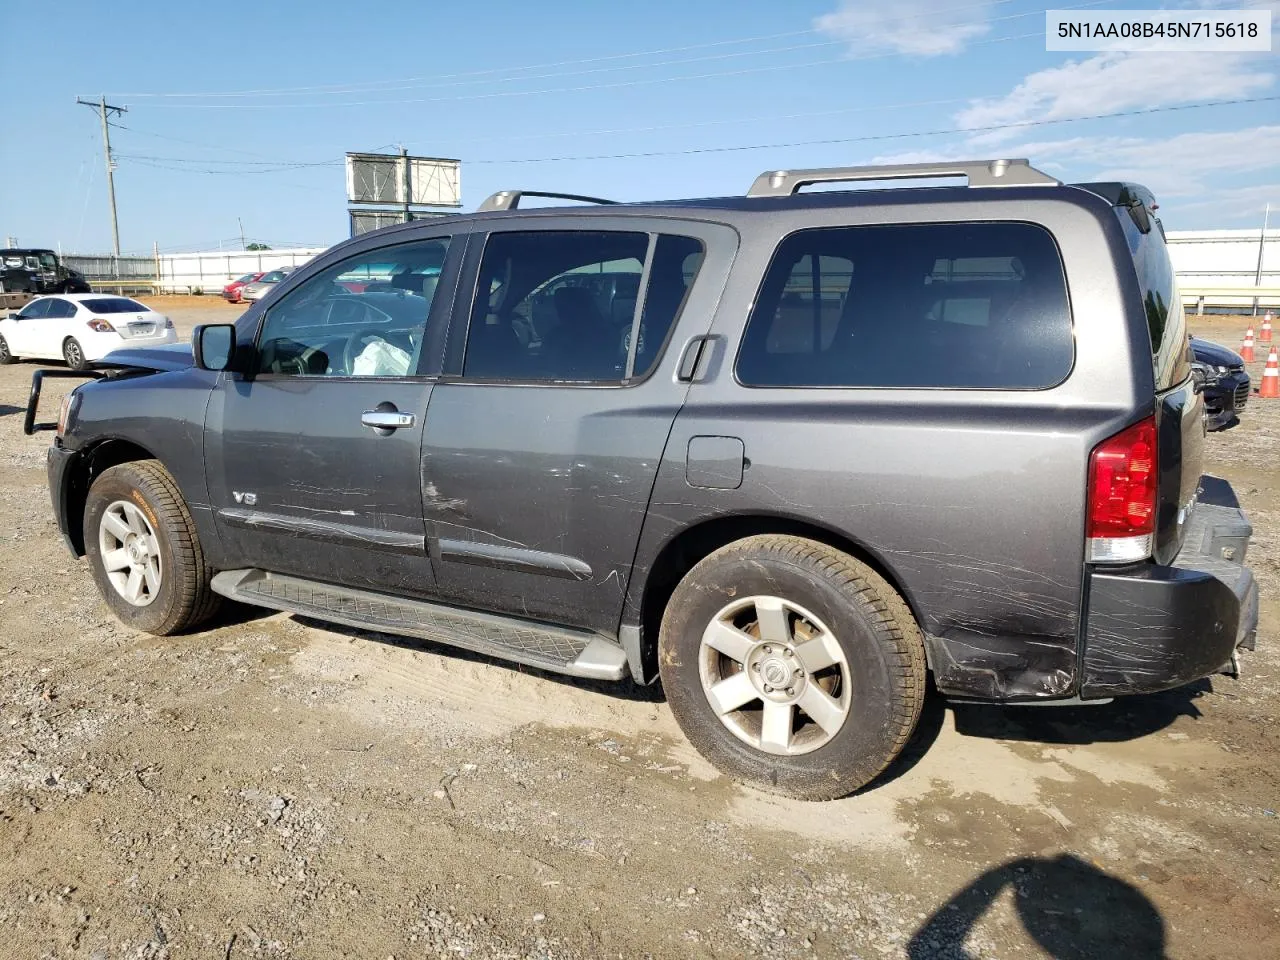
(1071,909)
(1126,718)
(5,409)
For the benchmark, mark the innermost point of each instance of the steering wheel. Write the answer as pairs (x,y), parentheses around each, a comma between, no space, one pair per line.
(361,338)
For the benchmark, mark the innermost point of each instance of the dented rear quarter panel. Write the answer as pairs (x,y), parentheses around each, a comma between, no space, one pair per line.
(972,501)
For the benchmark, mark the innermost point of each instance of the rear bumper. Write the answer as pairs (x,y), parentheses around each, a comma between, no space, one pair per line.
(1153,627)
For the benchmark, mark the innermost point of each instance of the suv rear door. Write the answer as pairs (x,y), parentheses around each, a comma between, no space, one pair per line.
(544,437)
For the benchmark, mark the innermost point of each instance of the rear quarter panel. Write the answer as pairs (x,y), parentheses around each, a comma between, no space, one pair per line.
(972,501)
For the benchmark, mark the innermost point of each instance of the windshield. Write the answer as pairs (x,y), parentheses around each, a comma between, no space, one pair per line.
(275,276)
(114,305)
(48,261)
(246,278)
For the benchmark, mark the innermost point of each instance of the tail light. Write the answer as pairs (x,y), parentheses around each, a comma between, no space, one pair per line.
(1122,495)
(98,325)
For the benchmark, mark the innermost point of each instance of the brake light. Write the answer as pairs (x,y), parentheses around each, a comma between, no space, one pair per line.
(1122,495)
(98,325)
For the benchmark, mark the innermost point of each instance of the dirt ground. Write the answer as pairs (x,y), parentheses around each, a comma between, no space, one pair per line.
(272,787)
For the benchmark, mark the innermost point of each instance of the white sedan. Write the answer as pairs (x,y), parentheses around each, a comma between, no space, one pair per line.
(80,328)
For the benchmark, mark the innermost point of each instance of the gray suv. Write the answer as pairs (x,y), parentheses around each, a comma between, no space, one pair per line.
(792,453)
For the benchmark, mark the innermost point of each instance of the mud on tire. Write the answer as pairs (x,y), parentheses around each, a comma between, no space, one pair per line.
(145,493)
(766,587)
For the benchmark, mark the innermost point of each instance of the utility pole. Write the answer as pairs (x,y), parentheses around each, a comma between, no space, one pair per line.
(1262,246)
(404,173)
(103,109)
(241,222)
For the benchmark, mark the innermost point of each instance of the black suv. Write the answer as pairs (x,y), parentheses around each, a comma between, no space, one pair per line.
(789,452)
(35,270)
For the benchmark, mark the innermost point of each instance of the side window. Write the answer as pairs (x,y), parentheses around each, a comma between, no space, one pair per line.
(35,309)
(981,305)
(1161,303)
(363,317)
(562,306)
(61,309)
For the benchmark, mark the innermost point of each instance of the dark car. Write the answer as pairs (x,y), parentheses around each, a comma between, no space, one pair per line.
(823,445)
(35,270)
(1225,383)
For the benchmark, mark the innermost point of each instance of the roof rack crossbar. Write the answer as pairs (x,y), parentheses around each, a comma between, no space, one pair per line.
(510,199)
(980,173)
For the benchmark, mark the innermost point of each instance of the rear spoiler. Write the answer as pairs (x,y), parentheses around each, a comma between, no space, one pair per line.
(1137,199)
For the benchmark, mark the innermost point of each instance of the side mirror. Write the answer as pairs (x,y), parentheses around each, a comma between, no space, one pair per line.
(13,316)
(213,345)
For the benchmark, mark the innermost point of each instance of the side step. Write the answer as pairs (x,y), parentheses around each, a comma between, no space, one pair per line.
(573,652)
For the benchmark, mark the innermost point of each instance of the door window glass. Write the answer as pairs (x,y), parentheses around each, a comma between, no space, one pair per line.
(35,309)
(562,305)
(977,305)
(363,317)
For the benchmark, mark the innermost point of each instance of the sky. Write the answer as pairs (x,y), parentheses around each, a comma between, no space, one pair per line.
(239,114)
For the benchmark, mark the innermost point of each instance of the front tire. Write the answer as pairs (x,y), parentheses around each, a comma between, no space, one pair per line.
(791,666)
(144,551)
(6,356)
(73,353)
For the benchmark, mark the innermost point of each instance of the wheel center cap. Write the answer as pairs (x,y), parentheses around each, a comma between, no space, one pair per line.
(775,672)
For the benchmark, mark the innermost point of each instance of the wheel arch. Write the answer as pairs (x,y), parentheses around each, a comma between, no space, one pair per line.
(101,456)
(689,546)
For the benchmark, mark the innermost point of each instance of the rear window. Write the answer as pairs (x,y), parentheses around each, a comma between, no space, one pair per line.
(968,305)
(1166,324)
(113,305)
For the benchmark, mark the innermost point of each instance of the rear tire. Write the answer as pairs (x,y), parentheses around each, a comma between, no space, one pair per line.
(73,353)
(6,356)
(814,663)
(144,551)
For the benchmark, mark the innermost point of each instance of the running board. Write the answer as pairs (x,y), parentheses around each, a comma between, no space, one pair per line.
(560,650)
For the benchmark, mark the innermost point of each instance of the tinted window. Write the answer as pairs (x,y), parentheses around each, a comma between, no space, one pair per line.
(1161,303)
(35,309)
(61,309)
(113,305)
(980,305)
(325,328)
(561,306)
(675,265)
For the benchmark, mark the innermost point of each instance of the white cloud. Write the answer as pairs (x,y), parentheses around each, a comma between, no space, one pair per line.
(1111,82)
(1183,165)
(1241,204)
(926,28)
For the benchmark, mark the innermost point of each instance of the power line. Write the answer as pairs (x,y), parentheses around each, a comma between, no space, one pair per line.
(376,84)
(883,136)
(159,163)
(613,85)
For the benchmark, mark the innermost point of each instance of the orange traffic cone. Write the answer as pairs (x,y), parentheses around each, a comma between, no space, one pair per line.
(1246,350)
(1271,377)
(1264,335)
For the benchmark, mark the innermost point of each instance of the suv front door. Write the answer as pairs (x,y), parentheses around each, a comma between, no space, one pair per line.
(545,435)
(313,455)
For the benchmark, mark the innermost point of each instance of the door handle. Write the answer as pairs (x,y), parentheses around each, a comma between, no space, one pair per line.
(386,419)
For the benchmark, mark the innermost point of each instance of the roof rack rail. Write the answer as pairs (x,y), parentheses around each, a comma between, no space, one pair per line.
(980,173)
(510,199)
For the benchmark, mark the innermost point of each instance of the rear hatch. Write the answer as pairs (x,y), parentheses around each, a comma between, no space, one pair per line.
(1179,407)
